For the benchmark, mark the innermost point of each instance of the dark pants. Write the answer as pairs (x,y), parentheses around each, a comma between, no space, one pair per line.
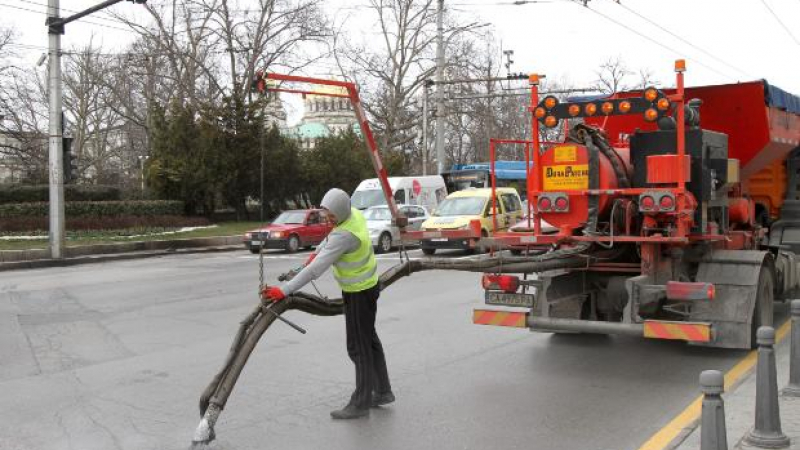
(364,347)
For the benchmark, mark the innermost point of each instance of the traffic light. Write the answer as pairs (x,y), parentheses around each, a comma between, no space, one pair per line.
(259,83)
(70,163)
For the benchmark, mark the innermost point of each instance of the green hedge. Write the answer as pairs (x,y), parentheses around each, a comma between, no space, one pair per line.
(97,209)
(14,193)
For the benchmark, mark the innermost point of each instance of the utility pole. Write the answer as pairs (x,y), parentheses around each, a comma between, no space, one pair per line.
(425,128)
(55,137)
(55,28)
(440,158)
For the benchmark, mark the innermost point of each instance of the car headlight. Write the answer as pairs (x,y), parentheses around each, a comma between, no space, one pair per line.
(276,234)
(248,236)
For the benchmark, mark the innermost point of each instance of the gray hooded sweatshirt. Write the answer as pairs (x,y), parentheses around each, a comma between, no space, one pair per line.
(332,248)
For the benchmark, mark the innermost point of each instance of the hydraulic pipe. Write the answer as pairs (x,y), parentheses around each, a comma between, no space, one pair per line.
(584,326)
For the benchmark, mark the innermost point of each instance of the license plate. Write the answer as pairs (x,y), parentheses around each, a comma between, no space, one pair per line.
(439,240)
(255,243)
(504,299)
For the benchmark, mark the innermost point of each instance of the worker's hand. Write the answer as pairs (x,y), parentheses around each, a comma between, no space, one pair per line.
(310,258)
(272,294)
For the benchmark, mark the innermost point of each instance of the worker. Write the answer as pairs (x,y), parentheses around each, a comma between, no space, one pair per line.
(348,249)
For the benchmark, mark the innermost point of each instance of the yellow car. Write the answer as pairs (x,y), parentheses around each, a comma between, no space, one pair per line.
(461,207)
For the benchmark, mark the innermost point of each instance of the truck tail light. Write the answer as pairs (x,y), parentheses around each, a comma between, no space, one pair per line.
(545,204)
(667,203)
(505,283)
(657,201)
(678,290)
(647,203)
(562,203)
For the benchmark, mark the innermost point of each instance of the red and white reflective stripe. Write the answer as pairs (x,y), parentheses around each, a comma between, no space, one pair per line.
(500,318)
(684,331)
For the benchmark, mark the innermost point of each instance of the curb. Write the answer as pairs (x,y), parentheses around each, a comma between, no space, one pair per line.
(87,254)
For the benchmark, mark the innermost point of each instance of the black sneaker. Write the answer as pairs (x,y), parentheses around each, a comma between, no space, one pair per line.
(382,399)
(350,412)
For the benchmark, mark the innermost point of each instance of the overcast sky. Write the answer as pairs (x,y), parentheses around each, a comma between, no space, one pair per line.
(724,41)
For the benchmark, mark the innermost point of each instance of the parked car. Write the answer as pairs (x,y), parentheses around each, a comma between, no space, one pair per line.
(290,231)
(384,235)
(461,207)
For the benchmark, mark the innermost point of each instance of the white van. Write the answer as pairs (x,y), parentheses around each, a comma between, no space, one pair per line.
(425,191)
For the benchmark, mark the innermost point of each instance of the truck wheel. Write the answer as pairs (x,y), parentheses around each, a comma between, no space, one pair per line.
(763,309)
(384,243)
(428,251)
(293,244)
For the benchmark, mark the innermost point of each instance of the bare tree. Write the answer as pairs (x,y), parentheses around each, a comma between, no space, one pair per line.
(611,76)
(23,116)
(264,35)
(392,72)
(96,128)
(615,76)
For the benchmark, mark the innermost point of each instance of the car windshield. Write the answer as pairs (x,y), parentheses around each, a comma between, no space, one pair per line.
(378,214)
(366,199)
(290,217)
(461,206)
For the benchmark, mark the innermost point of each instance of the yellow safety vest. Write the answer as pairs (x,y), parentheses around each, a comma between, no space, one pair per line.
(356,271)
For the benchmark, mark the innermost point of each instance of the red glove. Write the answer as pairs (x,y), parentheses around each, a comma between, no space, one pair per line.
(310,258)
(273,294)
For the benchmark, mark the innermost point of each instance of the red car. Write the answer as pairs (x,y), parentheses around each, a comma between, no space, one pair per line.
(290,231)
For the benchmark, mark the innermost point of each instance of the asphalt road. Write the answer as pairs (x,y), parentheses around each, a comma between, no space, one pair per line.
(115,356)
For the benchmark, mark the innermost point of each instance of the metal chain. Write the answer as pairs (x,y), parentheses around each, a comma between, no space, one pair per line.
(260,270)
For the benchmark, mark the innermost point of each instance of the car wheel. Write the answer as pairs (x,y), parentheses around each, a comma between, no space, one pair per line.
(429,251)
(254,250)
(384,243)
(516,252)
(293,244)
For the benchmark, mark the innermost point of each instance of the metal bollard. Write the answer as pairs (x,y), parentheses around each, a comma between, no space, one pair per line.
(793,388)
(712,422)
(767,431)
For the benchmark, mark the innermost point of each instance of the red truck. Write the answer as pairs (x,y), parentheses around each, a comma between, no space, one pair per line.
(660,232)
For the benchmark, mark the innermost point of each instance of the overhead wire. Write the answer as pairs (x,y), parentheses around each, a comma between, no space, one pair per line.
(783,25)
(20,8)
(682,39)
(650,39)
(109,19)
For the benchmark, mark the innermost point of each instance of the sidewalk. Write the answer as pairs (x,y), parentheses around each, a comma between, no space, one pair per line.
(740,408)
(38,258)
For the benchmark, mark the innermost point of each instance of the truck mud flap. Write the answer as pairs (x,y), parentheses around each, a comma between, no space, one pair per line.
(735,275)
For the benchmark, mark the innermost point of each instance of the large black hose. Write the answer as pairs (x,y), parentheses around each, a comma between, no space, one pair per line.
(587,135)
(259,320)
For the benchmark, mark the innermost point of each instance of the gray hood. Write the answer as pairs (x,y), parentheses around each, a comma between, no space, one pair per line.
(338,202)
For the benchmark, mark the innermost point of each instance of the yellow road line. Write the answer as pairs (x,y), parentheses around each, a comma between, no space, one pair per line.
(688,416)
